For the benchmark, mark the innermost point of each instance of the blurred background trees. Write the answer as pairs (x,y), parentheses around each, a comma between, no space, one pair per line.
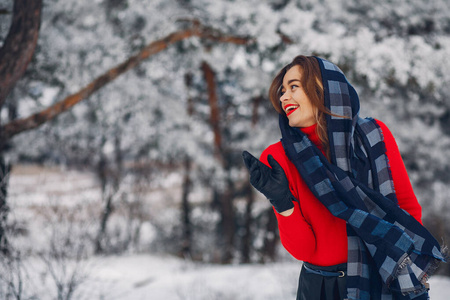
(178,121)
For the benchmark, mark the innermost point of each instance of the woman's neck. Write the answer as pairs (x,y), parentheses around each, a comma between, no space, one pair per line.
(311,133)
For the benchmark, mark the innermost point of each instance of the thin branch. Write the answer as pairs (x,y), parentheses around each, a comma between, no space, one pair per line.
(285,38)
(196,29)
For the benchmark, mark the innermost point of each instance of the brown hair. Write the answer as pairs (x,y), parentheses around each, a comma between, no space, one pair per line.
(311,82)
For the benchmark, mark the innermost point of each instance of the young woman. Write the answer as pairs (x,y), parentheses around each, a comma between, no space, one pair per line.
(340,191)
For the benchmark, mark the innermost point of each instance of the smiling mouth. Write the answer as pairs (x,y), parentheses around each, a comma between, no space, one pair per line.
(290,108)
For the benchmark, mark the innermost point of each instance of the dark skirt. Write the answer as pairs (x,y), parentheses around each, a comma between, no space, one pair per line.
(329,285)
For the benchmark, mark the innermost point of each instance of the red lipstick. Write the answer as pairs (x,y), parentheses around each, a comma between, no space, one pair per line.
(290,108)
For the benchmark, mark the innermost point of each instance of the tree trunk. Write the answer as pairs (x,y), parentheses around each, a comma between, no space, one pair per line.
(186,247)
(225,197)
(247,238)
(214,118)
(271,237)
(103,178)
(255,111)
(110,182)
(188,78)
(15,55)
(19,45)
(228,223)
(4,175)
(106,213)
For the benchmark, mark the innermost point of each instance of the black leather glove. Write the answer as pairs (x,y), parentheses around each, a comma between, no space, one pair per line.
(271,182)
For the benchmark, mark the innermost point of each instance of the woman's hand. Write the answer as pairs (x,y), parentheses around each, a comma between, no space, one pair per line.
(271,182)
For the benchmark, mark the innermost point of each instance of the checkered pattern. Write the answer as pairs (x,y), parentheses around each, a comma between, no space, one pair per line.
(390,254)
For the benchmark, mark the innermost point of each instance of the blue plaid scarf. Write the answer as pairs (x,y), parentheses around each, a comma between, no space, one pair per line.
(390,254)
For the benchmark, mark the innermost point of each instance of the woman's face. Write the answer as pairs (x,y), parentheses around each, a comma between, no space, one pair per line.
(294,101)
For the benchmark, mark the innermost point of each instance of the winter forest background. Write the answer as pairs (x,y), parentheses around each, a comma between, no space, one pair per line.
(148,164)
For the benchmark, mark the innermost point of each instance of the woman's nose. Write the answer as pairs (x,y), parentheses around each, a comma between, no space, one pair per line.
(285,97)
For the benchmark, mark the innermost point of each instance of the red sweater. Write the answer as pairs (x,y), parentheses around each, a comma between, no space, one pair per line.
(311,233)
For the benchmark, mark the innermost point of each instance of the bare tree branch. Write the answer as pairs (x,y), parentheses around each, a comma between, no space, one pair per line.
(196,29)
(19,45)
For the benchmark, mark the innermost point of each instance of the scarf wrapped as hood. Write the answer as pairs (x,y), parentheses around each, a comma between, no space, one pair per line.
(390,254)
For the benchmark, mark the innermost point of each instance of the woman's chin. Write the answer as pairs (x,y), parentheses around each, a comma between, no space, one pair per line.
(294,124)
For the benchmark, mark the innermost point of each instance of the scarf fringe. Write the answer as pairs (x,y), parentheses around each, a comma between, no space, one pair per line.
(434,264)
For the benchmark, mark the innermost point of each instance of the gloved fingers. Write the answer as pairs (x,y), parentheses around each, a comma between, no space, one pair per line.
(252,163)
(255,178)
(276,167)
(255,168)
(248,159)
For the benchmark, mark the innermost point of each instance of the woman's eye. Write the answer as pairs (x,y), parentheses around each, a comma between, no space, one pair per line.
(294,86)
(281,93)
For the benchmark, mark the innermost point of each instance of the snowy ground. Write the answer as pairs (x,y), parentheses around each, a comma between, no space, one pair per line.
(158,277)
(166,278)
(144,276)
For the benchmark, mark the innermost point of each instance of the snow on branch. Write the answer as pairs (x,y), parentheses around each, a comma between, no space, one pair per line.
(194,30)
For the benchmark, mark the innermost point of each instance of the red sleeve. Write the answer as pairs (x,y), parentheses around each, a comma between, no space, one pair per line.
(403,189)
(296,234)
